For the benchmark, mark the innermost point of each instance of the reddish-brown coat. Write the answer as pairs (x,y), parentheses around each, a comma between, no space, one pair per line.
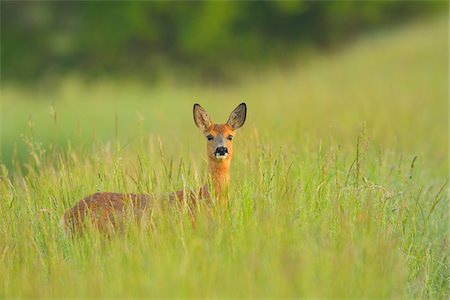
(105,210)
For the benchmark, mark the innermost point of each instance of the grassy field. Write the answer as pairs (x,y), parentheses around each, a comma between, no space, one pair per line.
(339,180)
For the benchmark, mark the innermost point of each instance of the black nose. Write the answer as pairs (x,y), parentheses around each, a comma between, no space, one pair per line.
(221,150)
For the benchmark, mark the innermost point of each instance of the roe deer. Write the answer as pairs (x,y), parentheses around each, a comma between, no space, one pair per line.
(107,210)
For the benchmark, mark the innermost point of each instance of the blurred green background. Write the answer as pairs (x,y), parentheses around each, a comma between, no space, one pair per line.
(76,71)
(190,40)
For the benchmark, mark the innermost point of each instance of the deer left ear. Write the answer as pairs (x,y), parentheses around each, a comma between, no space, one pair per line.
(237,116)
(201,117)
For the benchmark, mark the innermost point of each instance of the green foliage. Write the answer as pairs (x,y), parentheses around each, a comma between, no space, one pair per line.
(339,181)
(202,38)
(311,229)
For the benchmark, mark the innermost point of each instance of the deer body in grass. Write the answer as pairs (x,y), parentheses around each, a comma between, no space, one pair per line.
(108,210)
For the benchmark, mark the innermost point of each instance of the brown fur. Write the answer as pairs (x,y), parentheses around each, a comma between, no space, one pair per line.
(220,170)
(107,211)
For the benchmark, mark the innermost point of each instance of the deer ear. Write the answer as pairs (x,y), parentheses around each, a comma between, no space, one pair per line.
(201,117)
(237,116)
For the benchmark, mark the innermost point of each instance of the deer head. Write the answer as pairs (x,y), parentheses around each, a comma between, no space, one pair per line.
(219,137)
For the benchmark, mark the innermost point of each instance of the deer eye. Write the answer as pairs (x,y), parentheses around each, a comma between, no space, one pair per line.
(230,137)
(209,137)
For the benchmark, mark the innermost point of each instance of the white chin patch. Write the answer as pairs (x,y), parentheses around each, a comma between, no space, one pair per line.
(221,157)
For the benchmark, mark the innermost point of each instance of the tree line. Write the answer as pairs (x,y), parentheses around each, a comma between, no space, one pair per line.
(200,38)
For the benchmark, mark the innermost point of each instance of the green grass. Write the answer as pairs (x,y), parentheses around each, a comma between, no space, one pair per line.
(339,180)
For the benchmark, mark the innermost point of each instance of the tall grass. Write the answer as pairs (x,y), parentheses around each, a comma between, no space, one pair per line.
(339,181)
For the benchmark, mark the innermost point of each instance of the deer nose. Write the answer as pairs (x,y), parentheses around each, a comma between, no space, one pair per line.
(221,151)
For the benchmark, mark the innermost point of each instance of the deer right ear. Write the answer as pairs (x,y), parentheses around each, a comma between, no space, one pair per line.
(237,116)
(201,117)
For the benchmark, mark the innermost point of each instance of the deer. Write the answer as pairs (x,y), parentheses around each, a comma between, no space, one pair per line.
(106,211)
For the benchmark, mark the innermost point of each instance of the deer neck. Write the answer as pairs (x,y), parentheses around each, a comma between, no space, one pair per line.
(219,171)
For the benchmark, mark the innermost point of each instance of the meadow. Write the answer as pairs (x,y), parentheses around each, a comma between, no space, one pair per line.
(339,179)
